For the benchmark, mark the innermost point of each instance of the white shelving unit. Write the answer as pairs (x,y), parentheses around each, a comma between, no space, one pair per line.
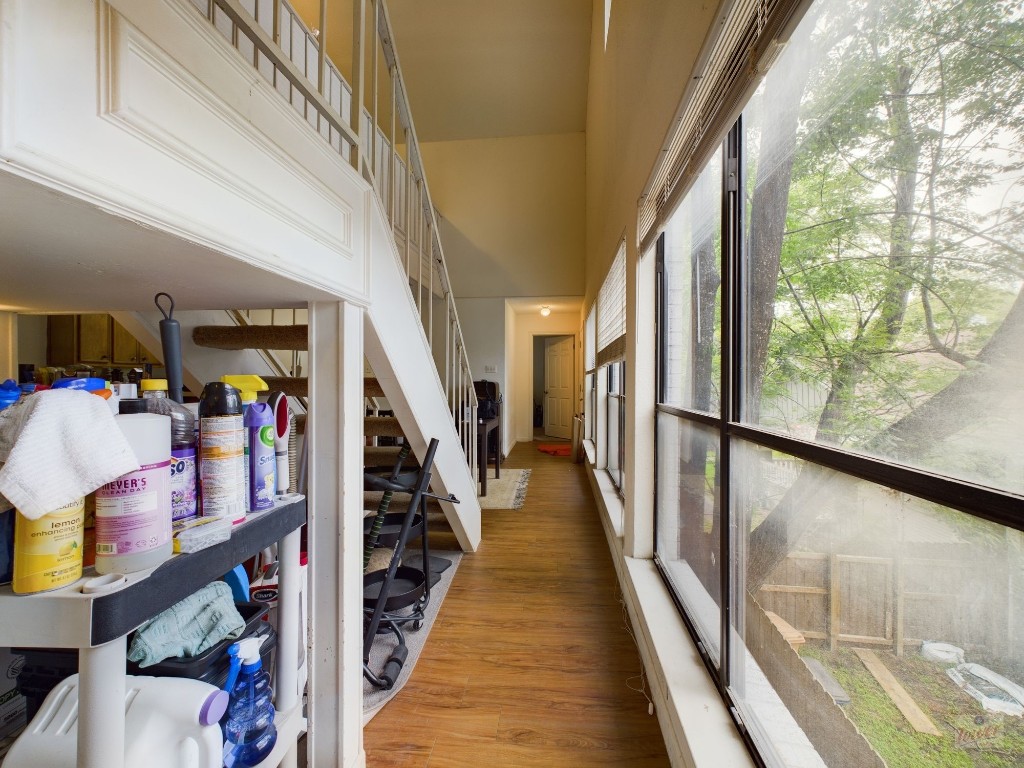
(98,623)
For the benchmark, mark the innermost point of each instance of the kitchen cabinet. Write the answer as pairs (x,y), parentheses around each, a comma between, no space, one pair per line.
(62,339)
(128,351)
(94,338)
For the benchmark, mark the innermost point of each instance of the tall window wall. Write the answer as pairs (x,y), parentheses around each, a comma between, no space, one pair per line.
(840,427)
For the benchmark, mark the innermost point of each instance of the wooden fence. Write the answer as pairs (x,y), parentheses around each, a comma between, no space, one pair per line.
(889,601)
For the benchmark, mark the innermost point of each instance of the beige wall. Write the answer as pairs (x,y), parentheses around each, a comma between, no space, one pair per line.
(635,88)
(513,212)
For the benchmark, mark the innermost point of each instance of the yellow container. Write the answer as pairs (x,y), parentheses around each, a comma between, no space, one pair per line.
(48,551)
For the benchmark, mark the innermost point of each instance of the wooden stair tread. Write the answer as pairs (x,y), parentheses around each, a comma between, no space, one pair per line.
(296,386)
(372,387)
(295,337)
(382,426)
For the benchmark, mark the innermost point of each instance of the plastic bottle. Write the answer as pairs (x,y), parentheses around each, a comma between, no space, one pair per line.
(184,494)
(10,392)
(153,388)
(259,426)
(133,513)
(221,452)
(249,730)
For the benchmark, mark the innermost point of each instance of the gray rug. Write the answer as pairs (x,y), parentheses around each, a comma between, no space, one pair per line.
(374,699)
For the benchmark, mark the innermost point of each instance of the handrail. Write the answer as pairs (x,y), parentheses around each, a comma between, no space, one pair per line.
(354,131)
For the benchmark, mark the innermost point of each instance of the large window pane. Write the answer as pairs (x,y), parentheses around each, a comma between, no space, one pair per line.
(851,586)
(689,520)
(885,247)
(693,296)
(615,423)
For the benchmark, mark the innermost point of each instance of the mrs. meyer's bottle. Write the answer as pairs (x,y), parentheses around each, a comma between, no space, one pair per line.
(133,513)
(221,453)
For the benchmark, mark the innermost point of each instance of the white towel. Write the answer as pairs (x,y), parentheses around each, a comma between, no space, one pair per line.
(58,445)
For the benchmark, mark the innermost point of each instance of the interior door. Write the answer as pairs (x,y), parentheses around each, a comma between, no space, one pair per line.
(559,354)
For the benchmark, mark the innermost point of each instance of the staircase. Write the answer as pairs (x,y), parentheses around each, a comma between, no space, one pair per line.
(383,433)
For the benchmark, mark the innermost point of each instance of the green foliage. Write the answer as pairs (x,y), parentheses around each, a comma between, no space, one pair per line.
(903,248)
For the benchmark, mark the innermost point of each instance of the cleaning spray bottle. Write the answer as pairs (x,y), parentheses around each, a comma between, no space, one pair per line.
(247,384)
(249,730)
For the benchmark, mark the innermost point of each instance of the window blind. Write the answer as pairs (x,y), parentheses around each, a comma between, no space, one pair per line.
(590,341)
(746,38)
(611,312)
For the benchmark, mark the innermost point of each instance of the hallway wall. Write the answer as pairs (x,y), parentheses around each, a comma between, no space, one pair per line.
(512,213)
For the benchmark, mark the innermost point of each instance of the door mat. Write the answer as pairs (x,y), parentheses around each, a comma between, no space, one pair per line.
(555,449)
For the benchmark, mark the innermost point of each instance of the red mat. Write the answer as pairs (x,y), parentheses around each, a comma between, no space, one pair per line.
(555,449)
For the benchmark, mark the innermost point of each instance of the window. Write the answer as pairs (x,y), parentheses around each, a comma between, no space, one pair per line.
(615,422)
(840,417)
(611,349)
(590,375)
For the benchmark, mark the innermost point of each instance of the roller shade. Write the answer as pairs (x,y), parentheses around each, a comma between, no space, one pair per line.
(745,39)
(611,312)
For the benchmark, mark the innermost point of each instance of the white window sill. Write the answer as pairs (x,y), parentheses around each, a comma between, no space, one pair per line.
(695,723)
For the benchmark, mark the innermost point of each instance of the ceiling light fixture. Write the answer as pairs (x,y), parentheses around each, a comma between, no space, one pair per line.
(545,310)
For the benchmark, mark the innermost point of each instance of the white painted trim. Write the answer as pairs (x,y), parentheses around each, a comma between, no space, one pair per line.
(335,434)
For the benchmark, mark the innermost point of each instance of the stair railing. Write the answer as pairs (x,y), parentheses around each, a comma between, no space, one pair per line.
(367,119)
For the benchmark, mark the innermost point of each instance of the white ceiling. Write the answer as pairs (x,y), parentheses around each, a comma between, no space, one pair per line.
(479,69)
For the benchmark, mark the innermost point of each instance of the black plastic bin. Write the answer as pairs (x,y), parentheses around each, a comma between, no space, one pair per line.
(46,667)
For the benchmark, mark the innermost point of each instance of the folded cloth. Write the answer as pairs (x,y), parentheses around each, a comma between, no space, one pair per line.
(59,445)
(188,627)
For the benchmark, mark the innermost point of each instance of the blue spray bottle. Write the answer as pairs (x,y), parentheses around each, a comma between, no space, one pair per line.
(249,731)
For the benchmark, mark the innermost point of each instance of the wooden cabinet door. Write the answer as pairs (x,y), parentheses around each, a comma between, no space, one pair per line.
(61,339)
(94,338)
(126,348)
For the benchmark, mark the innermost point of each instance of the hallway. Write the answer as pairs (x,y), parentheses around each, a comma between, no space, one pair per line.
(529,663)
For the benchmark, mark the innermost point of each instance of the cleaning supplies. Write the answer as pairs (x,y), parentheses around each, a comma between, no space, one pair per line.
(247,385)
(278,401)
(259,426)
(249,730)
(170,722)
(184,500)
(133,512)
(221,452)
(48,551)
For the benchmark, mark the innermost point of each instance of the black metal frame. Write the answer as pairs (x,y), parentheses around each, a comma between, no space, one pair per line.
(994,505)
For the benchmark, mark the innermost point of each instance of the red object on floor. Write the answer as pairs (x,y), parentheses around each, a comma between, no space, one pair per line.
(555,449)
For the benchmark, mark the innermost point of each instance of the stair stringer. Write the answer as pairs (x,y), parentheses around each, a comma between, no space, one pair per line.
(397,349)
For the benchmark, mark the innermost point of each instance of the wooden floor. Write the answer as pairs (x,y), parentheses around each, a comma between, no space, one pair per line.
(529,662)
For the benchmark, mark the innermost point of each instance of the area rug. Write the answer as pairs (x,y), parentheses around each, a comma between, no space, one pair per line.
(555,449)
(374,699)
(508,491)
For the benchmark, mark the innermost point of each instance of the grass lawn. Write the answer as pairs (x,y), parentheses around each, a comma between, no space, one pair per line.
(971,737)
